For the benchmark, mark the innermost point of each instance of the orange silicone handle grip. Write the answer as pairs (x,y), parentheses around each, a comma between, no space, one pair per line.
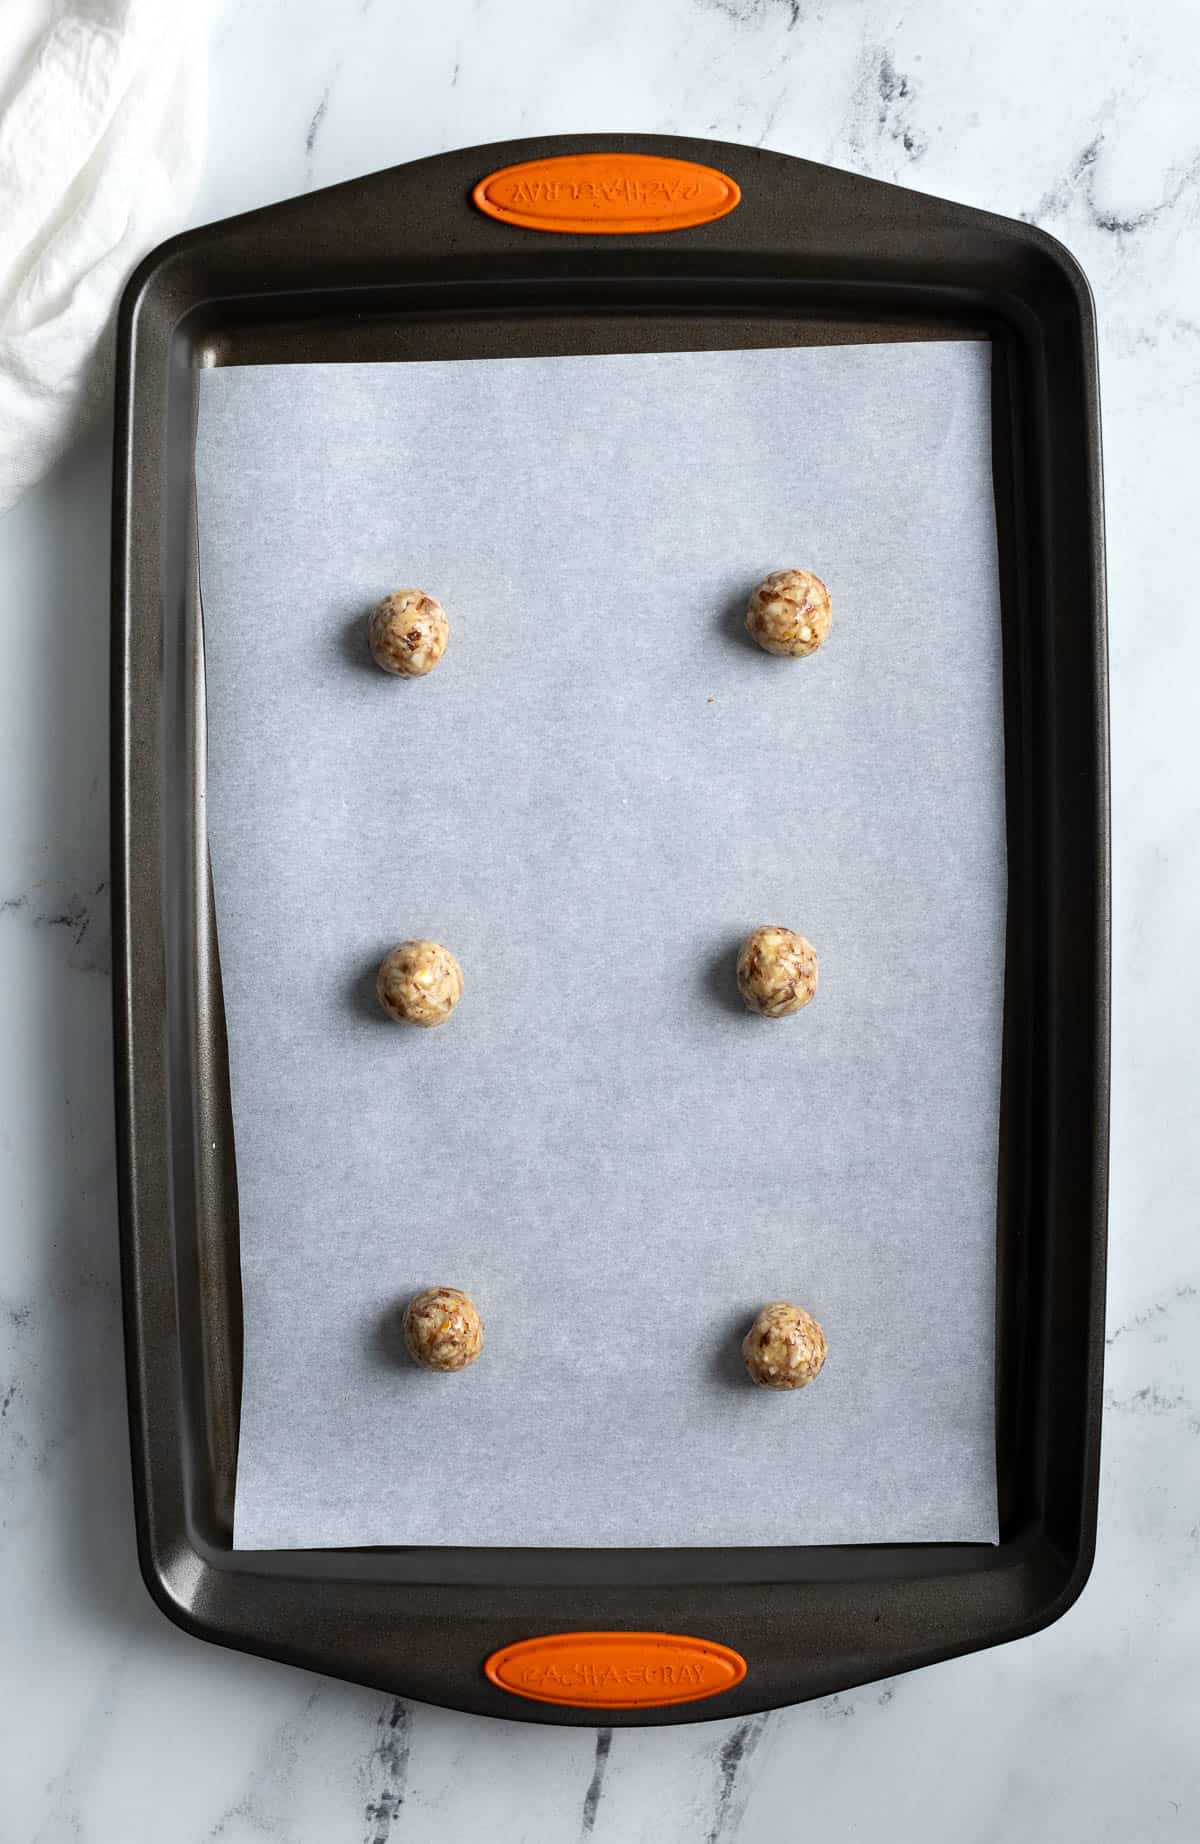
(618,194)
(616,1671)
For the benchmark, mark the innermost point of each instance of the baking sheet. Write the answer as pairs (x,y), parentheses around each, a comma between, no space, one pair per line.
(602,787)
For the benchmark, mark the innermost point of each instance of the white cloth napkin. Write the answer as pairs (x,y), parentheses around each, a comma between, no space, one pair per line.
(101,132)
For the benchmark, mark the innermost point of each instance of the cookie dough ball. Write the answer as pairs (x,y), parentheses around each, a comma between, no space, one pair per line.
(442,1329)
(784,1348)
(789,613)
(419,982)
(777,972)
(407,633)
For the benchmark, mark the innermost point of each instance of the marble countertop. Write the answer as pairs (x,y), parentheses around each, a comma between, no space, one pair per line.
(1082,115)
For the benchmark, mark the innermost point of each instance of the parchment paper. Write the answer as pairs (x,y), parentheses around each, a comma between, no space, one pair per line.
(601,788)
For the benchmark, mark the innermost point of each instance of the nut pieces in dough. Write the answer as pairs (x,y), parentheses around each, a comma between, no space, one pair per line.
(442,1329)
(407,633)
(784,1348)
(789,613)
(776,971)
(419,982)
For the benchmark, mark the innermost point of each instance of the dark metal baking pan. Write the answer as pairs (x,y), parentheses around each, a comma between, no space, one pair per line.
(400,266)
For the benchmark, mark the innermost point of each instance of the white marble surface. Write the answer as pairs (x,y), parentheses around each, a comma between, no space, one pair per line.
(1081,114)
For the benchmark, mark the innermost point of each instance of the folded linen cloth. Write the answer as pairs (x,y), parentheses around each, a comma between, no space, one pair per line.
(101,134)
